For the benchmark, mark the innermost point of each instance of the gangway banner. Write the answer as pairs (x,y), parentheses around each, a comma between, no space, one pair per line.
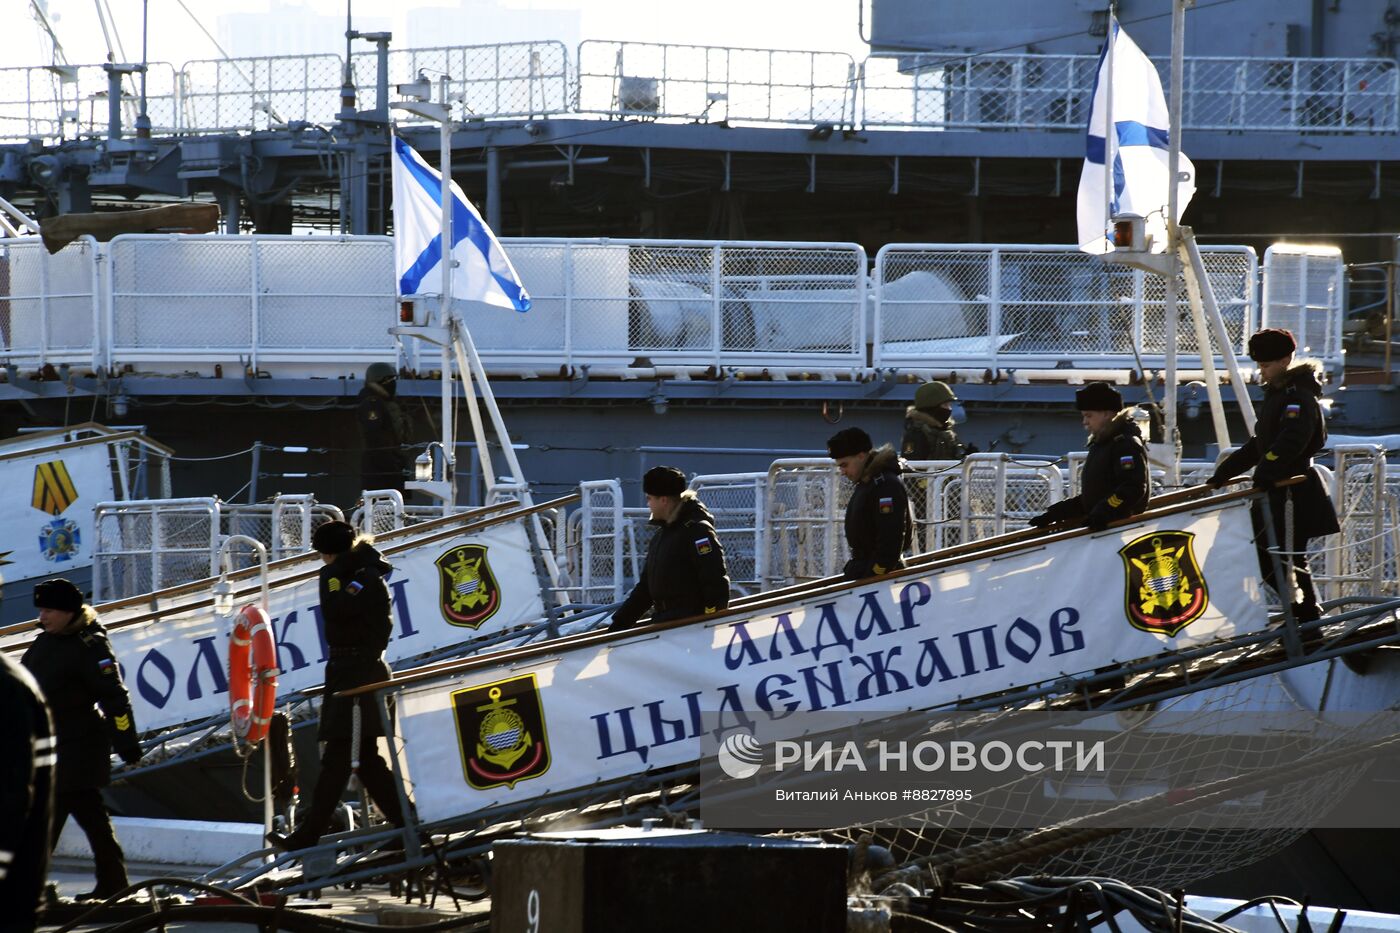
(444,590)
(603,711)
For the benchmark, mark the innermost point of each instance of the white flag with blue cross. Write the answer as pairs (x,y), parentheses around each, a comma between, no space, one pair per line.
(483,272)
(1139,149)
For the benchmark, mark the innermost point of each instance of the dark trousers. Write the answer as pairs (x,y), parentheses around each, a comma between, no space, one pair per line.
(330,787)
(1302,573)
(90,812)
(23,883)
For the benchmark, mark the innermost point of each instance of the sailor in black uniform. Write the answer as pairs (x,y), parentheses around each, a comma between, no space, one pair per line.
(73,663)
(384,430)
(685,573)
(879,527)
(26,796)
(1114,481)
(1288,432)
(355,607)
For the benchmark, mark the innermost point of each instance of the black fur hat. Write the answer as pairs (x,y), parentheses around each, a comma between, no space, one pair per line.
(58,593)
(1098,396)
(1271,344)
(663,481)
(847,443)
(333,537)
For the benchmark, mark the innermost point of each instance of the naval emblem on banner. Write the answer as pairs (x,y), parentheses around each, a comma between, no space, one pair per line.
(500,727)
(467,587)
(1165,589)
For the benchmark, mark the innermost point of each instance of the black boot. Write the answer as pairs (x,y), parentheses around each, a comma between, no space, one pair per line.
(100,893)
(292,841)
(1358,662)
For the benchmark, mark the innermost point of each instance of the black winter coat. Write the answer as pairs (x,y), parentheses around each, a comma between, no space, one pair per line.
(26,795)
(879,526)
(1289,431)
(1114,482)
(77,672)
(684,574)
(384,430)
(355,609)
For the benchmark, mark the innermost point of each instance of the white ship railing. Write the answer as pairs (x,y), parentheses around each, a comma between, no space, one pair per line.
(653,81)
(1304,291)
(682,302)
(50,305)
(259,300)
(791,519)
(146,545)
(778,527)
(300,307)
(1039,306)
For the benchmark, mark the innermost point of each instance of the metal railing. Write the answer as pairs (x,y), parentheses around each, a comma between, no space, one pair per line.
(652,81)
(259,299)
(323,306)
(786,526)
(150,544)
(147,545)
(246,94)
(645,80)
(696,303)
(508,79)
(1052,92)
(70,101)
(50,305)
(1304,292)
(1037,306)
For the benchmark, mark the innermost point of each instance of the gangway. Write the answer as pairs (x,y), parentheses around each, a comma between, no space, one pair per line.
(608,723)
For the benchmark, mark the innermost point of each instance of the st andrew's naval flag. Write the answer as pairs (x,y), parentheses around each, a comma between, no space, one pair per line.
(1140,120)
(483,271)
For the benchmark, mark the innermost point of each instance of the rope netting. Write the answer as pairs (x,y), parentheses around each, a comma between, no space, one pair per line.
(1217,795)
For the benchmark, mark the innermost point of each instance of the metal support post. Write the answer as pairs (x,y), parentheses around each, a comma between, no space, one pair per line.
(1172,435)
(1194,288)
(410,825)
(493,189)
(1191,254)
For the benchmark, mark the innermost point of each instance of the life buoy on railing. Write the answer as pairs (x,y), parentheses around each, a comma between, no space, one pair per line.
(252,675)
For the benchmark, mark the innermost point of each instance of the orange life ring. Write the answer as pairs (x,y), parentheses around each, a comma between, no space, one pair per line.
(252,674)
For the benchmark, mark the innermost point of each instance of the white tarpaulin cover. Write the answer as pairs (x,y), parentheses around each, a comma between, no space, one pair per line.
(606,711)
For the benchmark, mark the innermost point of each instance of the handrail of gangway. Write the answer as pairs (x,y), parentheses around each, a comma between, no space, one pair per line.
(1170,504)
(445,527)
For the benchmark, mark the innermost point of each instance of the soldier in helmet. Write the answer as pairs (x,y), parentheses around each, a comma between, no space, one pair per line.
(355,606)
(1114,481)
(928,425)
(384,430)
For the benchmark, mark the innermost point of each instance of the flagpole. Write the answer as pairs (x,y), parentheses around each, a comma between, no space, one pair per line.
(445,167)
(1110,129)
(1172,436)
(449,322)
